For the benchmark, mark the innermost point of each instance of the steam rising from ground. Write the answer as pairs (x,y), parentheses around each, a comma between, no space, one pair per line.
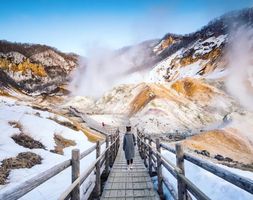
(105,68)
(240,79)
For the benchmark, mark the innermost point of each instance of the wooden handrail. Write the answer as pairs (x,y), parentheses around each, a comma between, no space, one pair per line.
(235,179)
(27,186)
(107,130)
(177,170)
(82,178)
(34,182)
(87,152)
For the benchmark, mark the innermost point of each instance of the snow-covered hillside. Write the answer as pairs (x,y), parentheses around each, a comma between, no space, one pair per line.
(49,139)
(196,60)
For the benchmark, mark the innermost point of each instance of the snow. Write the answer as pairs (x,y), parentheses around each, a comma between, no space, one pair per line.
(201,47)
(168,116)
(213,186)
(112,120)
(116,100)
(164,69)
(190,70)
(80,102)
(40,127)
(15,56)
(51,58)
(216,74)
(159,71)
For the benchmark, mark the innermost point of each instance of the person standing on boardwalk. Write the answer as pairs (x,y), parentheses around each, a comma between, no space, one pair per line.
(128,146)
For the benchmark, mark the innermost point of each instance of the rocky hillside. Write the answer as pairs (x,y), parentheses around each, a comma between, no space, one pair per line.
(186,106)
(193,65)
(202,53)
(34,69)
(185,97)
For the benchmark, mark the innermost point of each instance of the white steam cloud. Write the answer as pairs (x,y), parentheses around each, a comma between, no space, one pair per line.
(240,78)
(104,68)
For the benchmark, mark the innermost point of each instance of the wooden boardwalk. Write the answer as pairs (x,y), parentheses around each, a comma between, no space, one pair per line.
(129,185)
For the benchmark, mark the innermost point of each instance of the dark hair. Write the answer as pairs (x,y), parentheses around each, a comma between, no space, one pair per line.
(128,128)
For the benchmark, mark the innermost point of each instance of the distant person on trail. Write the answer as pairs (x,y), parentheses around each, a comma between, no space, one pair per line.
(128,146)
(103,124)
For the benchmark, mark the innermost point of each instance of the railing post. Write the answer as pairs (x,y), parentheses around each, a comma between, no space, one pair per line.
(98,180)
(116,138)
(145,151)
(114,147)
(75,166)
(142,149)
(181,187)
(159,169)
(118,141)
(107,156)
(149,155)
(111,150)
(138,140)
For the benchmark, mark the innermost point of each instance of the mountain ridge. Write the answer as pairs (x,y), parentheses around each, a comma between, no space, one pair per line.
(36,69)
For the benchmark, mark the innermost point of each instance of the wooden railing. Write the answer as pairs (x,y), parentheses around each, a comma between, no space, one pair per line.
(104,159)
(150,152)
(106,129)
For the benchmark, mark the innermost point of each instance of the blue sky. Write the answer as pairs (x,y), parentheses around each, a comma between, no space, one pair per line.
(77,25)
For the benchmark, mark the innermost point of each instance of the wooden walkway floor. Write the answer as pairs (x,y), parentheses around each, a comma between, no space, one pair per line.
(129,185)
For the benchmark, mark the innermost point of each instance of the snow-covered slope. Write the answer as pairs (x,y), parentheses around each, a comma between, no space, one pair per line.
(201,59)
(52,131)
(202,53)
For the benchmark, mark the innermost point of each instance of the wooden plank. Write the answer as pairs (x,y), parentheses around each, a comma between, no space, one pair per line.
(169,168)
(172,150)
(34,182)
(91,122)
(133,184)
(75,162)
(87,152)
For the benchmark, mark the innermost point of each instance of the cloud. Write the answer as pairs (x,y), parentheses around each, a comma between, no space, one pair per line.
(104,68)
(240,79)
